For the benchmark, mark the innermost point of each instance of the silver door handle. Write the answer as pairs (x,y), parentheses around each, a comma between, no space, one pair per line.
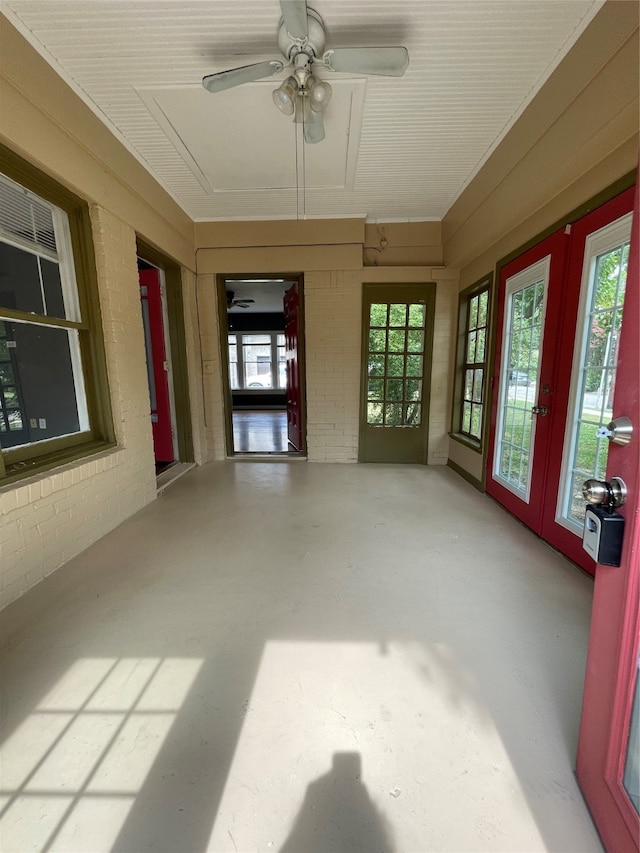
(540,410)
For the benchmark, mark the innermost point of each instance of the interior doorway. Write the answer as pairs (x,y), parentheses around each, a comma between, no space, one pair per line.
(261,320)
(163,324)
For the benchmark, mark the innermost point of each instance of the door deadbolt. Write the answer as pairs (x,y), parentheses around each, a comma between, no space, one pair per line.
(612,493)
(619,431)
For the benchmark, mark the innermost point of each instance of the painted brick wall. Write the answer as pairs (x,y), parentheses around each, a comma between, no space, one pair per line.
(444,331)
(333,321)
(47,520)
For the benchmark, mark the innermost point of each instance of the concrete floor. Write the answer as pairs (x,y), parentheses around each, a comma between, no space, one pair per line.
(300,657)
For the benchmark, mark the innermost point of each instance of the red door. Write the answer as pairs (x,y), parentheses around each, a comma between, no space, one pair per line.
(585,354)
(292,344)
(151,299)
(524,378)
(560,310)
(609,729)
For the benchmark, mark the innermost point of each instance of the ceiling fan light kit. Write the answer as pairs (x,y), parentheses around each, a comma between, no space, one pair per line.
(301,40)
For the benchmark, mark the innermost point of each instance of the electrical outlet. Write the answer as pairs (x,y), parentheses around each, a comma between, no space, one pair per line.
(42,423)
(33,423)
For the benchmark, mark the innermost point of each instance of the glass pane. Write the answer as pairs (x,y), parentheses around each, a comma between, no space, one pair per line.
(282,365)
(396,340)
(414,365)
(20,280)
(256,354)
(48,398)
(280,340)
(374,413)
(631,778)
(594,402)
(480,345)
(394,390)
(377,340)
(3,423)
(412,414)
(524,335)
(471,347)
(413,390)
(6,373)
(397,315)
(477,385)
(415,341)
(473,313)
(376,365)
(395,365)
(378,315)
(416,315)
(476,420)
(52,287)
(393,414)
(14,417)
(10,396)
(233,376)
(482,308)
(26,279)
(376,389)
(466,417)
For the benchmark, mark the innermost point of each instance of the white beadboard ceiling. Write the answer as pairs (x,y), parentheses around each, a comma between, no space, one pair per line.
(396,149)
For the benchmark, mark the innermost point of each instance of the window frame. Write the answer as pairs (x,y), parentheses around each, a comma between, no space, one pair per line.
(239,344)
(23,461)
(465,297)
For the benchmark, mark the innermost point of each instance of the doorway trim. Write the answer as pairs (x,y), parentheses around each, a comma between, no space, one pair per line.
(174,316)
(223,327)
(386,289)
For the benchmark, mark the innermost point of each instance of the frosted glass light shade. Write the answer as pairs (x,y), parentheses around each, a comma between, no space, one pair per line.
(284,96)
(319,94)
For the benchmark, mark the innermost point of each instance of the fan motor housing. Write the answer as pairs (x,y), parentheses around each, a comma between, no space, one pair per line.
(313,45)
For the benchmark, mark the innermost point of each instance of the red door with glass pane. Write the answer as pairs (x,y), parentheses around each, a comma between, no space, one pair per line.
(560,309)
(292,362)
(586,359)
(529,303)
(608,763)
(151,299)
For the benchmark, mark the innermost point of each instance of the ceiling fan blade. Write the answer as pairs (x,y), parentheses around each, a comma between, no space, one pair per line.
(313,127)
(237,76)
(294,13)
(388,61)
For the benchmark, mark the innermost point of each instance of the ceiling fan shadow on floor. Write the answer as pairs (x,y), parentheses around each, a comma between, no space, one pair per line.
(301,40)
(232,302)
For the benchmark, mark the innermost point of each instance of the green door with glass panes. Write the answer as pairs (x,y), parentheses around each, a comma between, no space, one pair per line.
(397,343)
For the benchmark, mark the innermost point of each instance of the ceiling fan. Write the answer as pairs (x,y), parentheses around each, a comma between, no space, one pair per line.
(301,40)
(232,302)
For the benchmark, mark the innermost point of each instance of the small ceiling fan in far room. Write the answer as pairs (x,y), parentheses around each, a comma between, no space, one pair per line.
(232,302)
(301,40)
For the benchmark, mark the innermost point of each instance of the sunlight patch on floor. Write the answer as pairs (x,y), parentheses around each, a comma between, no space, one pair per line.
(311,728)
(72,769)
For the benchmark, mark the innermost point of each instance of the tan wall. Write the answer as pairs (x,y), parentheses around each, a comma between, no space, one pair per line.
(46,520)
(579,135)
(403,244)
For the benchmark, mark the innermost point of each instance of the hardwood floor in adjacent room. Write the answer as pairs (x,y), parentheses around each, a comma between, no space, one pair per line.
(260,432)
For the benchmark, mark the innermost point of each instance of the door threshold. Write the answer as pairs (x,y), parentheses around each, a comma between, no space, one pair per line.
(267,456)
(171,474)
